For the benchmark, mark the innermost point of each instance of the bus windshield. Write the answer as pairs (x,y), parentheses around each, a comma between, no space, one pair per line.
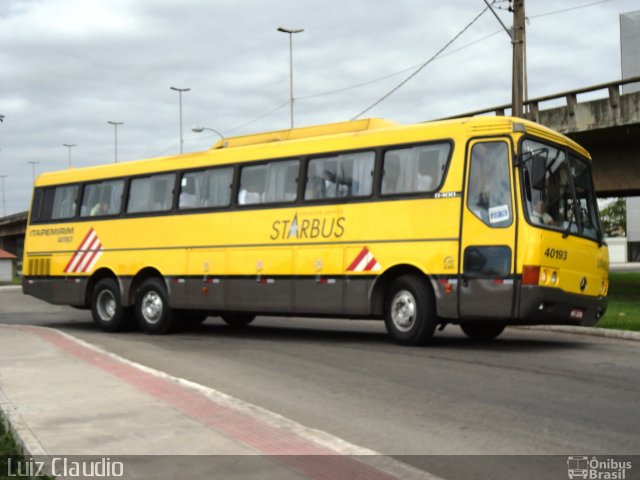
(562,196)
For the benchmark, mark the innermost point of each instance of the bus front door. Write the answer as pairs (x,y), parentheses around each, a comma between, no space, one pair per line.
(486,284)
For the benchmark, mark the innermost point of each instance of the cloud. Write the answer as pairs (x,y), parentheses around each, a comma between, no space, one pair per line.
(69,66)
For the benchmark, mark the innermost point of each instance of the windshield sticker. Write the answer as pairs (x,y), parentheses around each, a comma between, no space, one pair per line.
(499,214)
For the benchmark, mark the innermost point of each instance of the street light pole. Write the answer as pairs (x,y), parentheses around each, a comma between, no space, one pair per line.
(4,202)
(180,90)
(115,125)
(290,32)
(33,170)
(202,129)
(69,146)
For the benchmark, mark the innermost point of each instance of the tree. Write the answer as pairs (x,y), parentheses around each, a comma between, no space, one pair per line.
(614,218)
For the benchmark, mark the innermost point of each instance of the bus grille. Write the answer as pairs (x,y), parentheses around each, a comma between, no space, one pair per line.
(39,266)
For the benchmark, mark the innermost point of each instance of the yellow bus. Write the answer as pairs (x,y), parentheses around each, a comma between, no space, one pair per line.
(482,222)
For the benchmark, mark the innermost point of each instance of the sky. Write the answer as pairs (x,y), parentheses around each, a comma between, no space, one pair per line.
(67,67)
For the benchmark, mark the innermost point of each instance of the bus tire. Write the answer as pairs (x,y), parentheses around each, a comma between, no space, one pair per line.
(238,320)
(482,331)
(106,307)
(152,307)
(410,315)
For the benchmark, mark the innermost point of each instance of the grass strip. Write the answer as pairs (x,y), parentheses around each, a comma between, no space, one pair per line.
(623,312)
(12,462)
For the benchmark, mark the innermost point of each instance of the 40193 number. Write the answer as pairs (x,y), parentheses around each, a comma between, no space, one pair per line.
(556,253)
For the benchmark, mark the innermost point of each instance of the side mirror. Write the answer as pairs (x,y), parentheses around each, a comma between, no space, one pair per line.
(538,171)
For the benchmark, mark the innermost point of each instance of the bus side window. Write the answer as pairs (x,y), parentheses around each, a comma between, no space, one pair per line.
(417,169)
(64,202)
(217,192)
(252,180)
(281,181)
(103,198)
(489,194)
(342,176)
(151,194)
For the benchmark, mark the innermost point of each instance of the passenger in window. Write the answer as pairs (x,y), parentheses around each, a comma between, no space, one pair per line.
(540,214)
(100,208)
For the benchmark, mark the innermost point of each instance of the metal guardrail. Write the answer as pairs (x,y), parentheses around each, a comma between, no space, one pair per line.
(532,105)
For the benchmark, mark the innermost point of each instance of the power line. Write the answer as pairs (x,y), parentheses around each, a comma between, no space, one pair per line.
(570,9)
(420,66)
(401,84)
(258,118)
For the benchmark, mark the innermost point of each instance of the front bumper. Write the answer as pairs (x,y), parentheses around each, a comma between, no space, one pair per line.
(544,306)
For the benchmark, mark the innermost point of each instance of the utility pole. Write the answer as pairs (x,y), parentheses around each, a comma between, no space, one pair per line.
(518,87)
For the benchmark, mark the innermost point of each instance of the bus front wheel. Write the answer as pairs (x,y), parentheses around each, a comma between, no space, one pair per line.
(482,331)
(410,311)
(152,307)
(106,307)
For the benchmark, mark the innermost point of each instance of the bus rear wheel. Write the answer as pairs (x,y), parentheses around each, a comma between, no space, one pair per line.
(238,320)
(106,307)
(410,311)
(482,331)
(152,307)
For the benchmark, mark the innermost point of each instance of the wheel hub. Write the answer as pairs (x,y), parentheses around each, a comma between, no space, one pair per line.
(403,311)
(106,305)
(152,307)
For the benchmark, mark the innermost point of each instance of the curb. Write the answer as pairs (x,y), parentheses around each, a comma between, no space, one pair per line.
(10,287)
(27,442)
(593,331)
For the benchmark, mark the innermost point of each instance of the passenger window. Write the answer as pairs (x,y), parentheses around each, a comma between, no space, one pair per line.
(151,194)
(57,203)
(206,188)
(342,176)
(414,170)
(269,183)
(100,199)
(489,195)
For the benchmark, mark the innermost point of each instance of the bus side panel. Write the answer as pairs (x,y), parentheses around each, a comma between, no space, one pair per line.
(259,280)
(319,283)
(205,282)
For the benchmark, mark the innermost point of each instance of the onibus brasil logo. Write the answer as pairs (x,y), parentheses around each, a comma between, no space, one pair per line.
(597,469)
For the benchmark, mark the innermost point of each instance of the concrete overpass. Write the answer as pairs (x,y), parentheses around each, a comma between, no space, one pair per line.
(608,127)
(12,230)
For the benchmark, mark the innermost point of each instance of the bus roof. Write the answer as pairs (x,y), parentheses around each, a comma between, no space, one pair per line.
(357,134)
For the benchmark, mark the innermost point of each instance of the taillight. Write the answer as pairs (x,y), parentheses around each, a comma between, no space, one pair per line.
(530,274)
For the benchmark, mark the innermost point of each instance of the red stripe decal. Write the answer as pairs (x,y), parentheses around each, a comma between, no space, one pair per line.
(361,255)
(370,265)
(78,250)
(93,254)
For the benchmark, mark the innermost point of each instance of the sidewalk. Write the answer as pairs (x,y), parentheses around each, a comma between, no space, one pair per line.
(64,397)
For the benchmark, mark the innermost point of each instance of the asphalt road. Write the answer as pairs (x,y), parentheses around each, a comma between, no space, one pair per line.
(527,393)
